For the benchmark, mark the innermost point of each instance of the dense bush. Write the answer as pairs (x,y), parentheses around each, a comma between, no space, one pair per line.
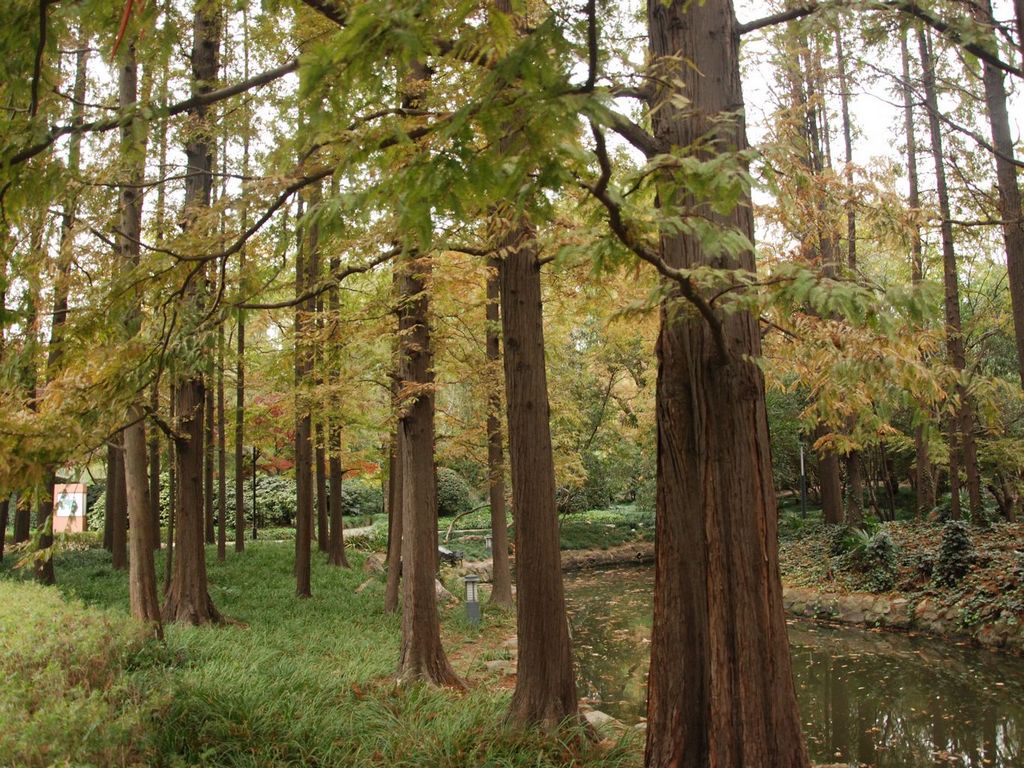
(66,697)
(956,554)
(361,496)
(453,493)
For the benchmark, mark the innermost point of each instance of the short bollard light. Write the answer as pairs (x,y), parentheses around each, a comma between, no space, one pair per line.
(472,598)
(489,542)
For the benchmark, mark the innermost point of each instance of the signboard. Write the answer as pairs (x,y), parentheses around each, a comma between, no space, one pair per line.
(68,507)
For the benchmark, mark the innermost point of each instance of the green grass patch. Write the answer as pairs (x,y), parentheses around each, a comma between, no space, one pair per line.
(300,682)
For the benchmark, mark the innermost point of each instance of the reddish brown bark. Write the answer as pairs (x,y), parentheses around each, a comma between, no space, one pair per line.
(720,687)
(336,545)
(187,599)
(422,655)
(118,497)
(395,518)
(545,692)
(303,425)
(142,594)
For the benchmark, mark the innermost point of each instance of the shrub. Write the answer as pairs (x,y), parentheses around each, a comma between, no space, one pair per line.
(956,554)
(453,493)
(67,697)
(878,561)
(360,496)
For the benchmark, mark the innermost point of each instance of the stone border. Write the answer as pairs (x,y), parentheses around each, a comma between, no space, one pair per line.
(893,612)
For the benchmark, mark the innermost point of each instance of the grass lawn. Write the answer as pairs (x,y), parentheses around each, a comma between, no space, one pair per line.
(287,683)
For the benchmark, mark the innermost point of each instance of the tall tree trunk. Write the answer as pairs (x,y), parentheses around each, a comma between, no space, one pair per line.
(323,538)
(545,691)
(240,328)
(1009,189)
(143,526)
(222,454)
(303,421)
(924,483)
(154,470)
(188,599)
(501,579)
(142,594)
(336,545)
(962,448)
(172,495)
(58,321)
(395,519)
(422,656)
(720,688)
(5,507)
(854,468)
(117,492)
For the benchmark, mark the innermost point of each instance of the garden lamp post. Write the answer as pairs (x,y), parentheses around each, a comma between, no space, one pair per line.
(472,598)
(489,541)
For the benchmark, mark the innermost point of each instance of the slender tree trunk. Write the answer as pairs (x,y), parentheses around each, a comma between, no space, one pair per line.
(209,446)
(720,690)
(117,492)
(962,449)
(336,545)
(5,506)
(172,495)
(323,537)
(924,482)
(395,519)
(303,425)
(188,599)
(222,454)
(422,656)
(501,579)
(154,470)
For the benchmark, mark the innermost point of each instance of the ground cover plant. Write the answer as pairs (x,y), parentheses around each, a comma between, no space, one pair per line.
(285,683)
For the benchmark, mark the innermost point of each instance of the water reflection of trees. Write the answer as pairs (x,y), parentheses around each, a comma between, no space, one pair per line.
(869,698)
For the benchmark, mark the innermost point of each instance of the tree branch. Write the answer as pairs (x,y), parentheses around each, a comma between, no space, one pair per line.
(125,118)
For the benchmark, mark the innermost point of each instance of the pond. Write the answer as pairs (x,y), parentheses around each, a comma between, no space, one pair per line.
(886,700)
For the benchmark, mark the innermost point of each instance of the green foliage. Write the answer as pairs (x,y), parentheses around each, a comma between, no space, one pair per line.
(249,694)
(956,554)
(453,493)
(361,496)
(601,529)
(80,684)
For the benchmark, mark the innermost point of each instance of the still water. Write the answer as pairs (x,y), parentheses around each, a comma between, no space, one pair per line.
(885,700)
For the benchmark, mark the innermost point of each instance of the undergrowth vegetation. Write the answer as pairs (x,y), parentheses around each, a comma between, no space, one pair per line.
(286,683)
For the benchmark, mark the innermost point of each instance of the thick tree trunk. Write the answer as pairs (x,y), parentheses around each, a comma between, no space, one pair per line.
(962,448)
(924,483)
(187,599)
(422,655)
(144,524)
(855,483)
(720,688)
(831,484)
(1009,190)
(117,494)
(22,519)
(545,692)
(501,584)
(142,570)
(395,520)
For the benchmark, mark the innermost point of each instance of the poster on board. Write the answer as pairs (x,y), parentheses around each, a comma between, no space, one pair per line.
(69,507)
